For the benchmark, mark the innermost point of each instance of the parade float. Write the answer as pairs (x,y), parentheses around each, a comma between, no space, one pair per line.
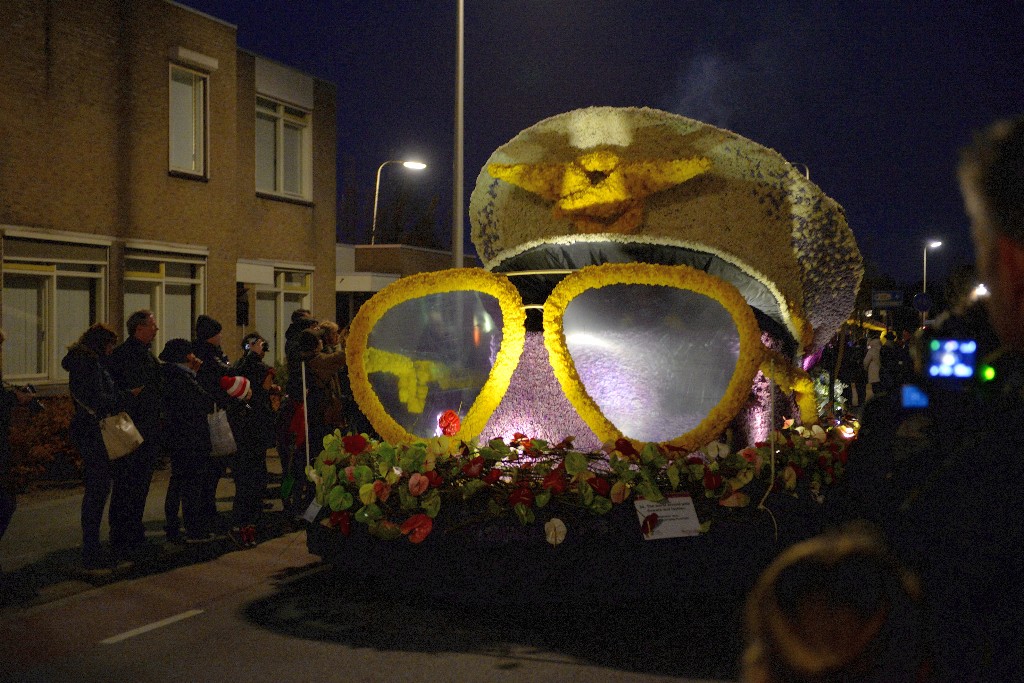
(620,389)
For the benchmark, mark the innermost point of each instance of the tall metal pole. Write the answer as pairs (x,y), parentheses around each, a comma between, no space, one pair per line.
(924,272)
(376,196)
(457,208)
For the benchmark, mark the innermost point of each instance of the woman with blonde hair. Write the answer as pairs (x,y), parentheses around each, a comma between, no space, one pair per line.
(836,608)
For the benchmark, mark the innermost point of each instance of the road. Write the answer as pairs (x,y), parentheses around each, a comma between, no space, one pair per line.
(276,613)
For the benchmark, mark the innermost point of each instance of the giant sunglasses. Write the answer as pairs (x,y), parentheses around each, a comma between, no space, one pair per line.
(648,352)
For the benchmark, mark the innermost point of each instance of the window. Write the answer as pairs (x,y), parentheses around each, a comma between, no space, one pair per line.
(274,307)
(283,150)
(188,129)
(47,304)
(169,285)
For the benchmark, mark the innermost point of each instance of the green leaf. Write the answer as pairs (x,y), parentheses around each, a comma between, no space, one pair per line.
(575,463)
(601,505)
(542,498)
(649,453)
(407,500)
(650,492)
(431,503)
(673,476)
(368,514)
(586,493)
(329,473)
(362,475)
(494,507)
(524,514)
(471,488)
(386,532)
(339,499)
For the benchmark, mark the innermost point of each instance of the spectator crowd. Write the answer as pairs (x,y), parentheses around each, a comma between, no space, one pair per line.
(175,396)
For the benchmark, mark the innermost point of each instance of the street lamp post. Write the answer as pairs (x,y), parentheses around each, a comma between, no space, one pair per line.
(414,165)
(924,274)
(935,244)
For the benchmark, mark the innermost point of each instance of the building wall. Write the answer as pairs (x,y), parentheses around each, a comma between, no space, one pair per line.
(84,123)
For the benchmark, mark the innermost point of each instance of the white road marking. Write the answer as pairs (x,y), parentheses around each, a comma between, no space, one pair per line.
(150,627)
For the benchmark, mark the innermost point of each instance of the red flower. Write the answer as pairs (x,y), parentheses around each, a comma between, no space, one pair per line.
(695,459)
(382,489)
(650,521)
(434,478)
(417,527)
(601,486)
(354,443)
(343,521)
(523,495)
(555,480)
(625,446)
(492,476)
(712,480)
(449,422)
(842,455)
(474,467)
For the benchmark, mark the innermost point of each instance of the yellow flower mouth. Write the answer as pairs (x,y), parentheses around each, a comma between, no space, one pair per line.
(599,191)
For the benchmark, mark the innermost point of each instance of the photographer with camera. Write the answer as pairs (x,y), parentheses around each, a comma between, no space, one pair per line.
(934,464)
(254,434)
(9,397)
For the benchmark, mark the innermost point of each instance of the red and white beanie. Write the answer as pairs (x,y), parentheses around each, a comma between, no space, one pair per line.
(237,387)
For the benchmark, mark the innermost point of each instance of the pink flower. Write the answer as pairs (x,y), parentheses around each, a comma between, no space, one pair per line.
(418,484)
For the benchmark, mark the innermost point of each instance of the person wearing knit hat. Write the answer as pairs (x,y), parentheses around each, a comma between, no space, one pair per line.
(207,328)
(236,387)
(176,351)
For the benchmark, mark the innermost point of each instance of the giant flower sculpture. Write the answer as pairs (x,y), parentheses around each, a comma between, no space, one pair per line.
(646,277)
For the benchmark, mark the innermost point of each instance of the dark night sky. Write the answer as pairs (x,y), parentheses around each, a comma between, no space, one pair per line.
(875,98)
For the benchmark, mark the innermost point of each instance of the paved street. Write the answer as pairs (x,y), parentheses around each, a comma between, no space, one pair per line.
(275,613)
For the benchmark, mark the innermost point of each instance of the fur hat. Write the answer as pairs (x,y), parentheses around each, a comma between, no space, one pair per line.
(237,387)
(176,350)
(206,327)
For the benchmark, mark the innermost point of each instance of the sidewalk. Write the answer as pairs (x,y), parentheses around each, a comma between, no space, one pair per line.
(40,555)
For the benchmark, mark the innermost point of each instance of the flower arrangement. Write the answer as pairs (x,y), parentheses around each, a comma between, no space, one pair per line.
(397,490)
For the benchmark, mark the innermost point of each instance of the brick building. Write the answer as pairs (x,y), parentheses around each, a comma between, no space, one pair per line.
(148,162)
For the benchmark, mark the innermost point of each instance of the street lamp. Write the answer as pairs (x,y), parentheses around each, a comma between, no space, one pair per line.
(924,274)
(414,165)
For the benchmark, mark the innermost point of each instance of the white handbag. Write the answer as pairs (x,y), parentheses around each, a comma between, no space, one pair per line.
(221,437)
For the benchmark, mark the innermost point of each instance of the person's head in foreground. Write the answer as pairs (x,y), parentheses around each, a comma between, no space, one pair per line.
(992,181)
(835,608)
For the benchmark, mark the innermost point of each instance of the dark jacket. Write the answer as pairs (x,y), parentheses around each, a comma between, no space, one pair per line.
(255,426)
(93,390)
(185,405)
(133,365)
(215,365)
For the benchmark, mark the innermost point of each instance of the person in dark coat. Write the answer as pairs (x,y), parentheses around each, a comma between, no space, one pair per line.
(254,434)
(133,364)
(96,396)
(186,406)
(9,397)
(215,365)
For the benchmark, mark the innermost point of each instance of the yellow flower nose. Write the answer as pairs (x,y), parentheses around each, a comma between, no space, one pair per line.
(591,180)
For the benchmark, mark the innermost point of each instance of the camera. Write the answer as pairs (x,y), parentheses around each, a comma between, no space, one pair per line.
(35,406)
(950,366)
